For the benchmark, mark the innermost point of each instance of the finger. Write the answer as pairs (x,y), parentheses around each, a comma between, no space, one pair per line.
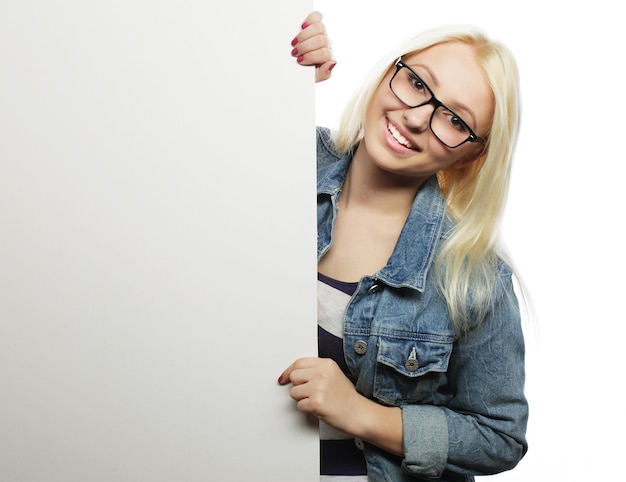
(312,30)
(312,18)
(311,27)
(300,376)
(307,402)
(314,370)
(299,392)
(316,57)
(318,43)
(324,71)
(285,376)
(301,363)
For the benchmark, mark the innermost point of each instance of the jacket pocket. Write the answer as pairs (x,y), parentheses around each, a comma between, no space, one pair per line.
(409,369)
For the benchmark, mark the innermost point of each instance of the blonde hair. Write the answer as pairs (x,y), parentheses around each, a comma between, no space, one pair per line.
(468,263)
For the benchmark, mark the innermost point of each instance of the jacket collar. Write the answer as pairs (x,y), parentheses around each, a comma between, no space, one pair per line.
(419,240)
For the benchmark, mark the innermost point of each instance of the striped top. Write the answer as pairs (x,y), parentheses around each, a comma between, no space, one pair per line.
(341,456)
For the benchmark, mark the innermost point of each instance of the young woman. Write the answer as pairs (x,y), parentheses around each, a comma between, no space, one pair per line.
(420,371)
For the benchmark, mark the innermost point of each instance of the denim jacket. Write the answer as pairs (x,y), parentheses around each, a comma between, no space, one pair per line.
(462,398)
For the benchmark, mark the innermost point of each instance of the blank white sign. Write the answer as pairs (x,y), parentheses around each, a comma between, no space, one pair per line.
(157,246)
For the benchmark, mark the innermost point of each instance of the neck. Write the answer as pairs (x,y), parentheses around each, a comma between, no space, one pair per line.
(368,185)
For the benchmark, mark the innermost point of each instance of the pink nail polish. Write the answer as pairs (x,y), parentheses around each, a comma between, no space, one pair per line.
(300,59)
(331,67)
(280,379)
(304,25)
(294,52)
(294,41)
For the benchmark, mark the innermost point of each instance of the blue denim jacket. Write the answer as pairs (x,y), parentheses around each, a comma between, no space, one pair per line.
(463,407)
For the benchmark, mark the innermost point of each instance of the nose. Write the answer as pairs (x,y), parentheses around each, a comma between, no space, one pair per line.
(418,118)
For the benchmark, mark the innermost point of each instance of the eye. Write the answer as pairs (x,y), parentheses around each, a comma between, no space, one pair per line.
(456,122)
(417,83)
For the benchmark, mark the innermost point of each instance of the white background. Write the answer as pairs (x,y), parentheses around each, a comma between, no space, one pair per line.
(157,241)
(124,160)
(564,220)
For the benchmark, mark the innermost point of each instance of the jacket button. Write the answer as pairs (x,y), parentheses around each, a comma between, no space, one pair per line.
(374,288)
(359,444)
(360,347)
(411,365)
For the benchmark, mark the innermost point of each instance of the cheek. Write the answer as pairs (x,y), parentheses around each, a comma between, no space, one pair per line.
(447,157)
(441,152)
(467,157)
(383,101)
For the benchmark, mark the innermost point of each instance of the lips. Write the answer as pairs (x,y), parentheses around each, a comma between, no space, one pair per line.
(397,135)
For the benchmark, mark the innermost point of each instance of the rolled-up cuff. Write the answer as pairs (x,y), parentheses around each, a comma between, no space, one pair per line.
(426,440)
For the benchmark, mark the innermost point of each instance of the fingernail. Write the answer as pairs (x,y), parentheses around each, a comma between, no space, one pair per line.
(280,379)
(294,41)
(294,52)
(332,67)
(304,25)
(301,58)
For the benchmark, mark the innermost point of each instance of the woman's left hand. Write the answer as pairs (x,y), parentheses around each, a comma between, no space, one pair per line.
(322,389)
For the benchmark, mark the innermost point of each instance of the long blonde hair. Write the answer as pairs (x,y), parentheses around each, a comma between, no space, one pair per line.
(467,265)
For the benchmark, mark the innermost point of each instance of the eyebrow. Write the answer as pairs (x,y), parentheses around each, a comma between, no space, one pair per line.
(457,105)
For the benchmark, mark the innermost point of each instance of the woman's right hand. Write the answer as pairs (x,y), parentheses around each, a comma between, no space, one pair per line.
(313,47)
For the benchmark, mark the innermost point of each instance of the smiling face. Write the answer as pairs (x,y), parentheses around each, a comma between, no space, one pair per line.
(398,139)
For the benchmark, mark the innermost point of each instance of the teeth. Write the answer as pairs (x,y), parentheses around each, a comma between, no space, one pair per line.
(398,137)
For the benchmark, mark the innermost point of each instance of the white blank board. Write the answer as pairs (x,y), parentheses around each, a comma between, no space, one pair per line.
(157,246)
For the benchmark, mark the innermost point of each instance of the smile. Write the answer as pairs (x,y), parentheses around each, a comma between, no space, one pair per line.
(399,137)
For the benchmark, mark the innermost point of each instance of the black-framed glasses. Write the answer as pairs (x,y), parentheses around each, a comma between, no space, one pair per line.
(413,92)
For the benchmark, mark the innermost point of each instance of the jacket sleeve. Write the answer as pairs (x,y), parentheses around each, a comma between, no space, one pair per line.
(479,426)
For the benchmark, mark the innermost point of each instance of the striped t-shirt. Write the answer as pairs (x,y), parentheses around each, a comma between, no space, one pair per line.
(341,456)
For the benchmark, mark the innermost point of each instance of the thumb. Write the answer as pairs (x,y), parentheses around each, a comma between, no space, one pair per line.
(324,71)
